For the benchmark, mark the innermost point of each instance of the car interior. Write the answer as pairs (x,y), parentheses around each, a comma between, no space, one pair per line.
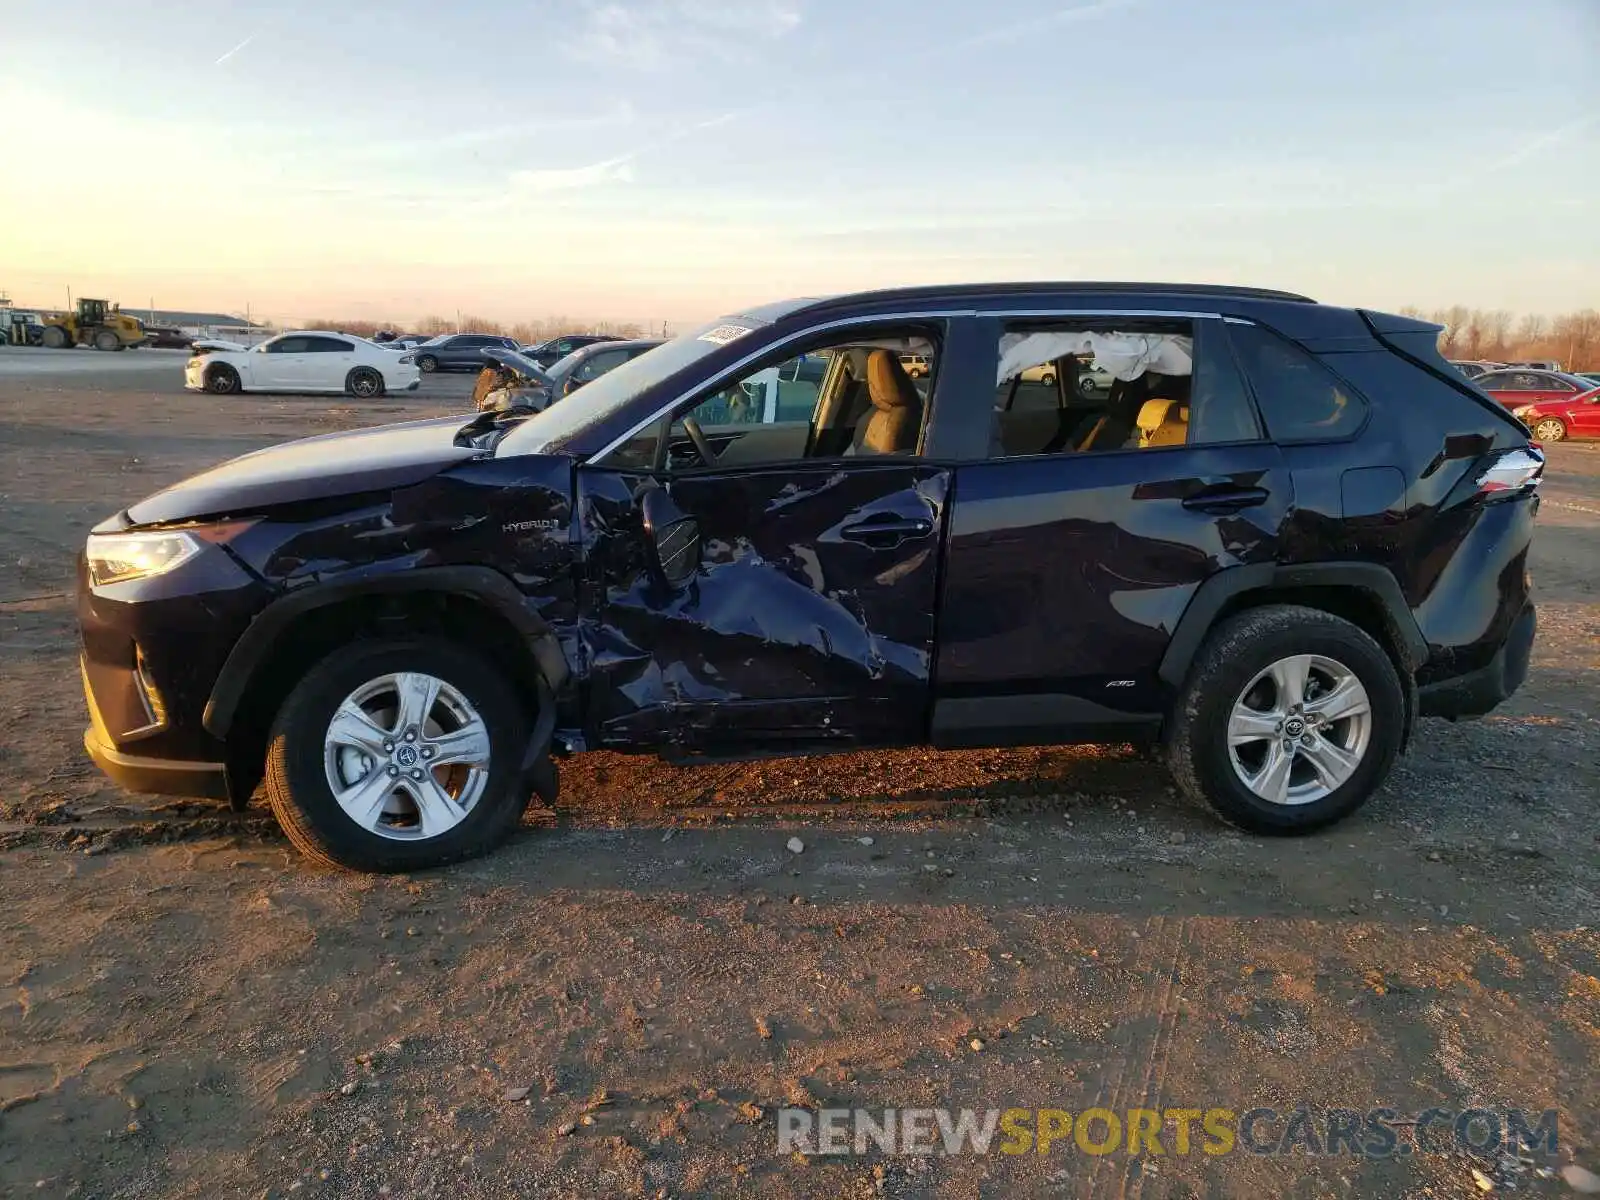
(858,398)
(842,399)
(1148,404)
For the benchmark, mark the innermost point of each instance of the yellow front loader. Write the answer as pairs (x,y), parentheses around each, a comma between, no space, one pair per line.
(96,323)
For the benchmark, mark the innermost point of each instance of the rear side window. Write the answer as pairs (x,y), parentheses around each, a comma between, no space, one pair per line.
(1099,384)
(1300,399)
(599,363)
(327,345)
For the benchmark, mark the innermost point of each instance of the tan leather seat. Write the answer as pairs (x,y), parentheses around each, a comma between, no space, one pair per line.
(896,417)
(1163,423)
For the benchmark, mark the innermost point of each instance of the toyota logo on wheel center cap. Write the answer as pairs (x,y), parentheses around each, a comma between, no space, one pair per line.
(406,756)
(1294,727)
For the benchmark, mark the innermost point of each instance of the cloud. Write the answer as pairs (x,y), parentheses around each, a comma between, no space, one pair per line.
(541,180)
(225,57)
(656,33)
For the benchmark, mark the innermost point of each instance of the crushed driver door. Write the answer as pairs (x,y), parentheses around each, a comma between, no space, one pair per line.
(797,611)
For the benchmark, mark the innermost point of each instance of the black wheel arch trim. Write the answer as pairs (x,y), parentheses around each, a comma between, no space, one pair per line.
(1215,593)
(483,584)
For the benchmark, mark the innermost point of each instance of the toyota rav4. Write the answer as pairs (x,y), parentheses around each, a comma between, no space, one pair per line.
(1285,532)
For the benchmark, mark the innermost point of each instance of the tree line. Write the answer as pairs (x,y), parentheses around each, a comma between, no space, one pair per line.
(525,332)
(1573,339)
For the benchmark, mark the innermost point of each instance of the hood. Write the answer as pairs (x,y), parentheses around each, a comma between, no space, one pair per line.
(218,344)
(334,464)
(518,363)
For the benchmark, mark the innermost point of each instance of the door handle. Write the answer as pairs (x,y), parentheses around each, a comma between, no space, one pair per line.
(1226,499)
(887,532)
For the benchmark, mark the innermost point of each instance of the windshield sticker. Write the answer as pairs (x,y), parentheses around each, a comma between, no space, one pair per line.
(723,334)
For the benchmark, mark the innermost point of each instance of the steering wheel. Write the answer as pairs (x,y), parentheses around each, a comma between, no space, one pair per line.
(702,444)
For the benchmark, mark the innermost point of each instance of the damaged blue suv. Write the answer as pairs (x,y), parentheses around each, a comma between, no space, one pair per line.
(1284,533)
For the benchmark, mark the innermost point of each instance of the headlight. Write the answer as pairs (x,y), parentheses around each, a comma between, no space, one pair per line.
(115,557)
(407,359)
(1523,413)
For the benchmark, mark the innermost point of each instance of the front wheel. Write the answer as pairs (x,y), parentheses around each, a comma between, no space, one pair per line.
(364,383)
(399,755)
(222,380)
(1550,429)
(427,364)
(107,341)
(1290,720)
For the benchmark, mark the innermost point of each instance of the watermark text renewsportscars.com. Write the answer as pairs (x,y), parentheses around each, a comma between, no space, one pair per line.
(1333,1132)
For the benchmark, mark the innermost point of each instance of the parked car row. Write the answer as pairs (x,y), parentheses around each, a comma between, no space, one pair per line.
(1474,367)
(1556,405)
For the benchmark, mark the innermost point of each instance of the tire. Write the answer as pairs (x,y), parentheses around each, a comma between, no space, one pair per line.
(300,766)
(427,364)
(54,338)
(1550,429)
(106,340)
(364,383)
(1086,386)
(1047,379)
(1238,653)
(222,380)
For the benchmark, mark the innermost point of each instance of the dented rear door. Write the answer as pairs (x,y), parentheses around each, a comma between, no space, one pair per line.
(809,623)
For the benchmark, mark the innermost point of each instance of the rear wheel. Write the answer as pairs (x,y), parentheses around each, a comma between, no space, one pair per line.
(1550,429)
(427,364)
(1048,379)
(364,383)
(107,340)
(222,380)
(53,338)
(1290,720)
(399,755)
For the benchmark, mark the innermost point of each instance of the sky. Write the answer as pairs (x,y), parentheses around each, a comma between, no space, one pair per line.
(677,159)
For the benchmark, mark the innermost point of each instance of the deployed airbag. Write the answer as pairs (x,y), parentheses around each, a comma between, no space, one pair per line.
(1124,356)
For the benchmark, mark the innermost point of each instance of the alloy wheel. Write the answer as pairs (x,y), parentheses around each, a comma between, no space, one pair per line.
(407,756)
(1300,729)
(1550,430)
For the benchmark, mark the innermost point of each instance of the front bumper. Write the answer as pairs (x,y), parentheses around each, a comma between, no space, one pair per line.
(1480,691)
(161,776)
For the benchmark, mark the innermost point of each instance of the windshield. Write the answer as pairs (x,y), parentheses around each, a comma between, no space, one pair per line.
(439,340)
(611,391)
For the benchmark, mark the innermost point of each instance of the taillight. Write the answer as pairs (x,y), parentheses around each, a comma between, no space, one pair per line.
(1511,471)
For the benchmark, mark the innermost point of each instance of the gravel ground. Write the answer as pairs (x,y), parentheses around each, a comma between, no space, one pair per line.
(618,1003)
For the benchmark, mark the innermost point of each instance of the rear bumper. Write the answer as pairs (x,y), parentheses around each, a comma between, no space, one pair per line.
(162,776)
(1480,691)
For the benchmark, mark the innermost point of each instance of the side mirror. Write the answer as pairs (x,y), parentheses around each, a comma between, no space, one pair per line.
(672,538)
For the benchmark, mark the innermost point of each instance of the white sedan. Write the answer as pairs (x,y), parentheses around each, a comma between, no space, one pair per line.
(305,361)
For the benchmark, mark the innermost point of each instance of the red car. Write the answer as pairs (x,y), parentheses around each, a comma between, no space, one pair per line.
(1519,386)
(1552,420)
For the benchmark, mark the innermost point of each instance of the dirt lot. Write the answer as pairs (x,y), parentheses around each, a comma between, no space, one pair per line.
(617,1003)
